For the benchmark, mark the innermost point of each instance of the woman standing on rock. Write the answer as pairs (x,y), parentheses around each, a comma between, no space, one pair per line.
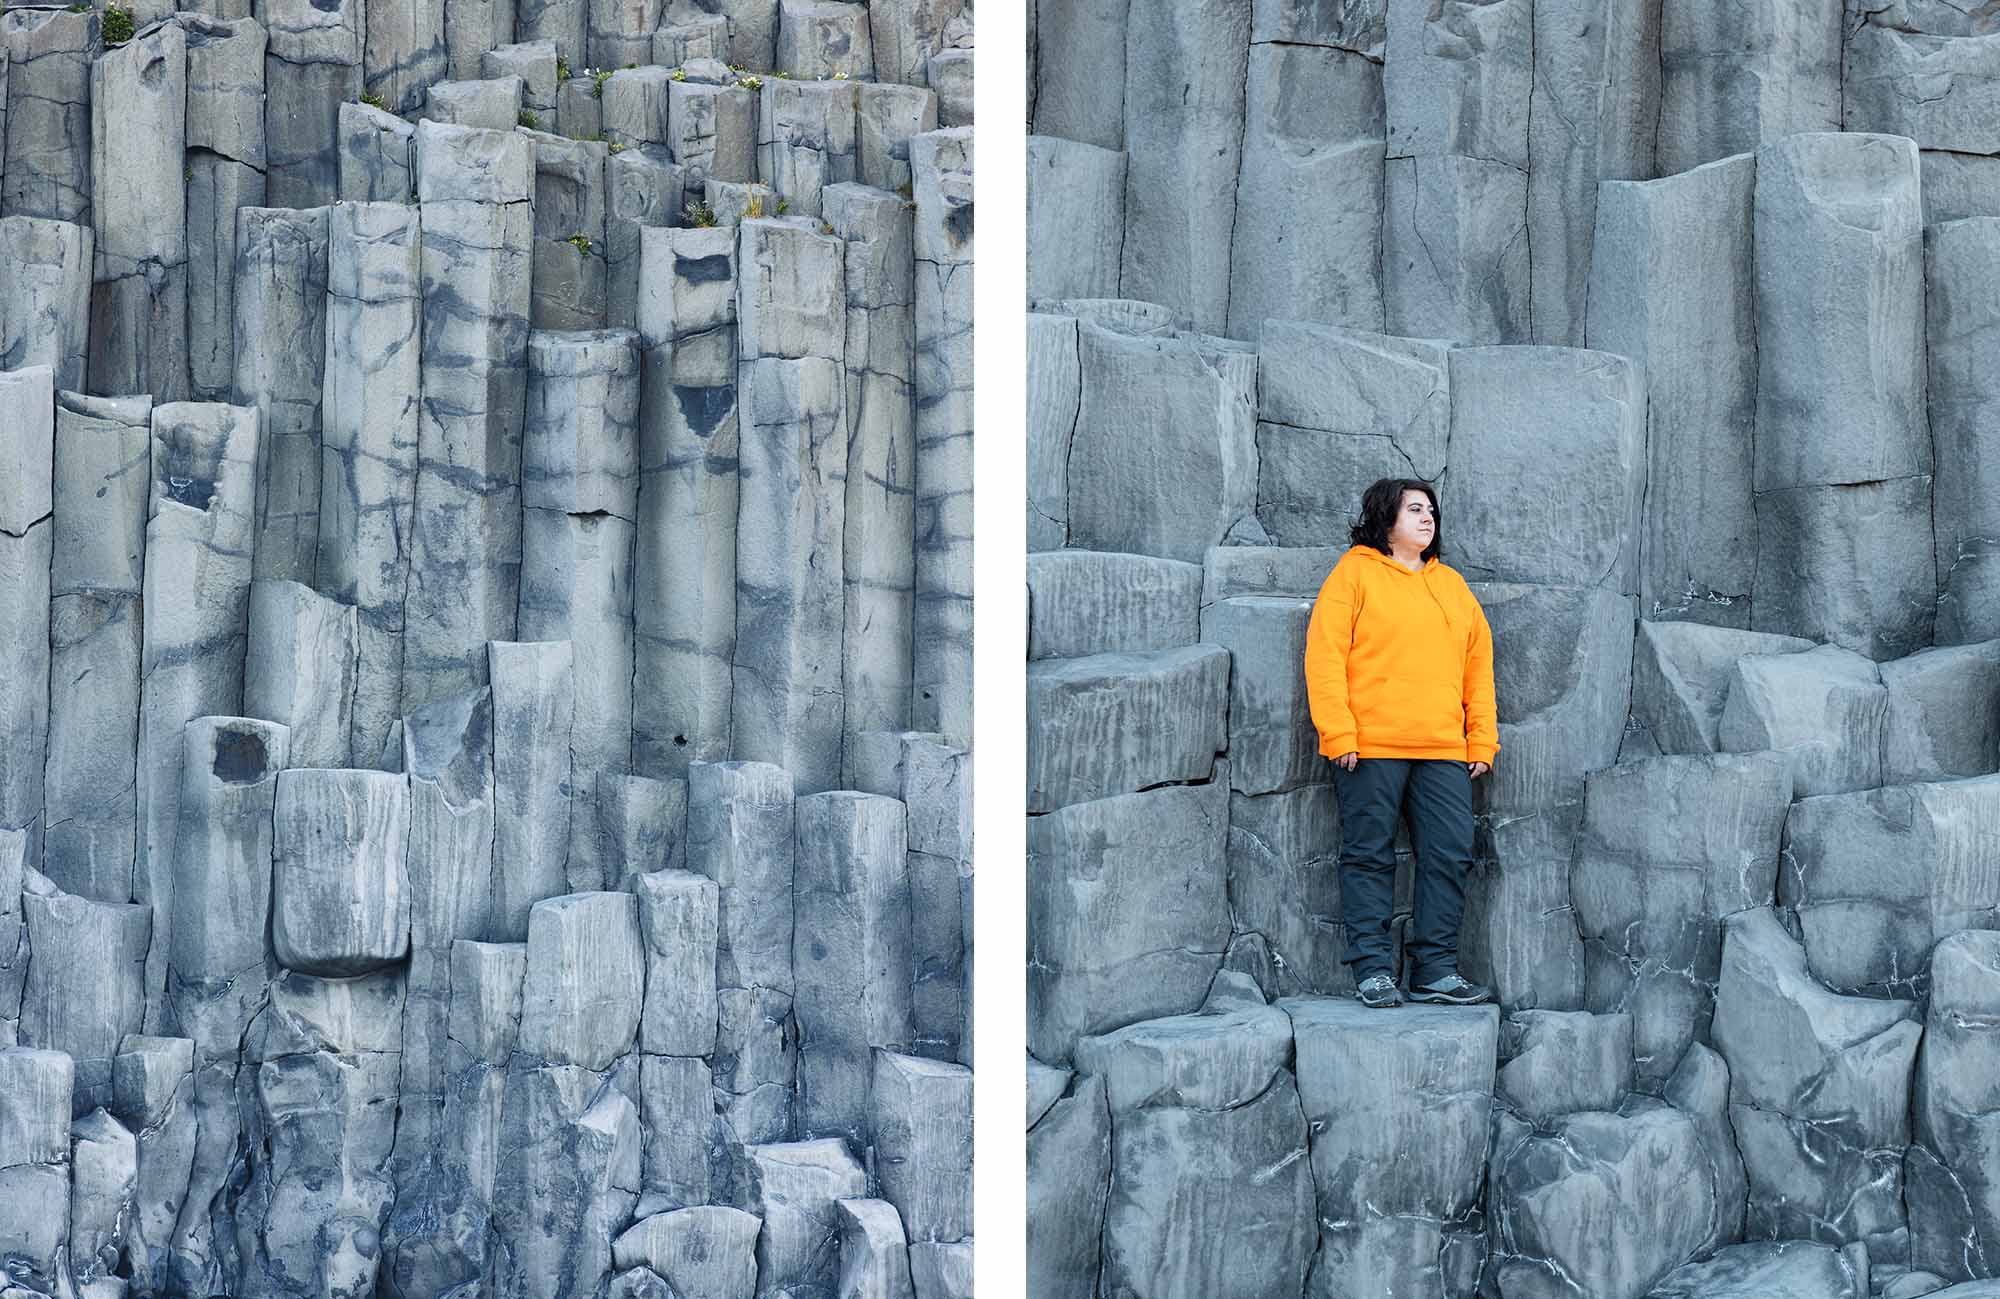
(1399,671)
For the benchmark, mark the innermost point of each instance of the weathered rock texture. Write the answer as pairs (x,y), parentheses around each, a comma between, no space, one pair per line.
(411,649)
(1686,309)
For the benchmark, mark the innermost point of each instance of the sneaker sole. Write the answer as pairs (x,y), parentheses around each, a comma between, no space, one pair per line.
(1384,1004)
(1447,999)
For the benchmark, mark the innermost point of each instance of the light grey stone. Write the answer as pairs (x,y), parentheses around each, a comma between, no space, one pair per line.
(303,670)
(942,1271)
(489,104)
(1835,563)
(1231,571)
(14,950)
(1961,311)
(586,970)
(712,129)
(1550,1194)
(1818,1090)
(684,600)
(340,895)
(1958,185)
(1120,315)
(851,954)
(641,188)
(1084,602)
(35,1125)
(224,171)
(85,988)
(878,537)
(874,1256)
(791,291)
(1826,204)
(1547,416)
(1337,409)
(312,64)
(45,306)
(1069,1177)
(534,62)
(34,1167)
(1357,25)
(138,302)
(1128,912)
(1670,848)
(281,292)
(1054,386)
(684,1134)
(200,527)
(905,34)
(486,997)
(950,75)
(1117,723)
(1457,81)
(786,705)
(563,22)
(678,918)
(1076,217)
(1944,714)
(1271,740)
(223,863)
(104,1173)
(1284,889)
(567,1182)
(1939,90)
(793,1188)
(1681,677)
(477,190)
(1951,1185)
(1735,77)
(569,270)
(756,1065)
(922,1128)
(1307,237)
(533,725)
(824,39)
(368,453)
(1699,1088)
(936,786)
(886,116)
(619,33)
(734,202)
(1786,1269)
(741,828)
(1825,707)
(1389,1210)
(405,53)
(1671,287)
(153,1092)
(579,112)
(377,156)
(635,106)
(706,1250)
(1200,486)
(48,122)
(1875,879)
(699,37)
(1560,1062)
(95,644)
(806,135)
(643,826)
(27,535)
(1184,112)
(1455,247)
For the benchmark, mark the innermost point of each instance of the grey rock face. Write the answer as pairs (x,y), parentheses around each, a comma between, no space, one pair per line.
(641,188)
(1337,409)
(45,307)
(376,156)
(712,129)
(1942,714)
(1284,891)
(1889,80)
(85,988)
(1069,1175)
(1641,1168)
(1823,1121)
(1735,78)
(1556,1063)
(922,1127)
(281,282)
(303,670)
(153,1091)
(34,1167)
(1473,212)
(340,835)
(570,246)
(709,1250)
(794,1188)
(312,64)
(1079,72)
(534,62)
(1876,879)
(1824,708)
(1291,255)
(1791,1269)
(1670,286)
(699,37)
(104,1172)
(534,712)
(1118,723)
(1392,1213)
(1127,911)
(1699,1088)
(1271,741)
(1076,216)
(1083,602)
(27,404)
(489,104)
(1167,387)
(1959,310)
(1054,387)
(677,916)
(48,113)
(886,118)
(874,1257)
(824,39)
(226,156)
(1955,1217)
(223,860)
(1682,677)
(1671,847)
(586,972)
(405,54)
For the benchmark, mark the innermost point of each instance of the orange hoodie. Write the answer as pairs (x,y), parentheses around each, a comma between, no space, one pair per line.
(1399,664)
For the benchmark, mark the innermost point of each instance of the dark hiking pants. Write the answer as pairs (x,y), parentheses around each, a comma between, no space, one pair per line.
(1437,796)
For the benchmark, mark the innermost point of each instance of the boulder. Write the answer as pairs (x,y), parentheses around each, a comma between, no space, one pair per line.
(921,1120)
(794,1187)
(708,1250)
(1785,1269)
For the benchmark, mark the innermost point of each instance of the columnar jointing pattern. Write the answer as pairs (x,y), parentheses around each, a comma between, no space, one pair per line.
(484,513)
(1686,310)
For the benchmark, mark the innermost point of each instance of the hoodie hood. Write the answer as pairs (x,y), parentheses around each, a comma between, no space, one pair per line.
(1428,575)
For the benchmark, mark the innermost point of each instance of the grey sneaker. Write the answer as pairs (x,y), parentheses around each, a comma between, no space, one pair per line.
(1452,990)
(1379,991)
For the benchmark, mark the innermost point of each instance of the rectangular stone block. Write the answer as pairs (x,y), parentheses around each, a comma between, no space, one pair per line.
(678,921)
(1960,309)
(1119,723)
(1054,383)
(642,188)
(1272,743)
(533,715)
(226,159)
(301,669)
(1284,892)
(923,1136)
(886,116)
(45,305)
(712,129)
(806,139)
(1455,248)
(1734,77)
(85,990)
(48,117)
(377,162)
(281,292)
(312,65)
(1834,564)
(569,210)
(941,163)
(404,53)
(1084,602)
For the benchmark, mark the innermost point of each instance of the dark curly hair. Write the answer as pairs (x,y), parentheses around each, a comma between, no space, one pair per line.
(1379,505)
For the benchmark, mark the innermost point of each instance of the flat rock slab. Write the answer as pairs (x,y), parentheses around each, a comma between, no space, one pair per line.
(1272,742)
(1824,708)
(1118,723)
(1083,602)
(1681,674)
(1944,713)
(340,896)
(1786,1269)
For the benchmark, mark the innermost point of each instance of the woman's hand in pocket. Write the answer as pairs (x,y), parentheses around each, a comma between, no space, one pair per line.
(1477,769)
(1346,761)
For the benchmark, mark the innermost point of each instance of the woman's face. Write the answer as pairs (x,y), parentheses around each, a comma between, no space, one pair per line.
(1416,523)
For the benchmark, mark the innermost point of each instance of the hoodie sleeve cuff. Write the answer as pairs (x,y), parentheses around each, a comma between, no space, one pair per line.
(1481,753)
(1338,746)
